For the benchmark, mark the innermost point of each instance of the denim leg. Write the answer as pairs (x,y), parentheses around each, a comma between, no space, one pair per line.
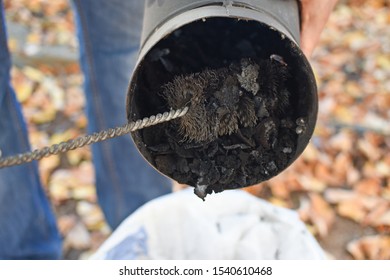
(109,35)
(27,224)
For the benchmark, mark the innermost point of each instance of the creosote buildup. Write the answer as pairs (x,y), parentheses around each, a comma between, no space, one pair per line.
(238,127)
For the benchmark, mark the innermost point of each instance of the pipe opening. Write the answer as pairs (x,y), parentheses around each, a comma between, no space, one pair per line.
(246,129)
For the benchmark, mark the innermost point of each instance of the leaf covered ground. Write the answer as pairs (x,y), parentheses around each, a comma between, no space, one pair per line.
(340,185)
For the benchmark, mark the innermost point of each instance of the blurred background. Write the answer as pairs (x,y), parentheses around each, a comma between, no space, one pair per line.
(340,185)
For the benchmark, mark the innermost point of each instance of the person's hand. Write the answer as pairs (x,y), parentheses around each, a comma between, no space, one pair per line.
(315,14)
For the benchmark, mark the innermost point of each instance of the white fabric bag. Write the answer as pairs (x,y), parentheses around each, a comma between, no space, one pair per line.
(230,225)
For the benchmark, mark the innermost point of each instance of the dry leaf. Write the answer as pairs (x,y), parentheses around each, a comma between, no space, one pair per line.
(378,215)
(46,166)
(58,191)
(77,238)
(310,153)
(369,187)
(279,188)
(337,195)
(384,220)
(342,164)
(63,136)
(353,176)
(33,74)
(382,169)
(343,141)
(86,192)
(311,184)
(370,151)
(23,90)
(352,209)
(75,157)
(75,101)
(321,214)
(91,215)
(66,223)
(370,247)
(324,174)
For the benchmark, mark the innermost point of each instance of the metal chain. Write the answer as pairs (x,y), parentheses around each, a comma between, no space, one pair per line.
(90,139)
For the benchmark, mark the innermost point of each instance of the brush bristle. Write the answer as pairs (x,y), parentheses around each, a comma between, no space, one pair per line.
(189,91)
(221,101)
(247,112)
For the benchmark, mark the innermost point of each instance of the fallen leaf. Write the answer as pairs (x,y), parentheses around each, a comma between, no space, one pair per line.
(321,214)
(33,74)
(75,101)
(46,166)
(341,166)
(65,223)
(383,220)
(310,153)
(278,202)
(370,247)
(337,195)
(369,186)
(44,116)
(279,188)
(91,215)
(378,215)
(58,191)
(324,174)
(75,157)
(311,184)
(63,136)
(85,192)
(353,176)
(342,141)
(370,151)
(352,209)
(78,238)
(23,90)
(383,169)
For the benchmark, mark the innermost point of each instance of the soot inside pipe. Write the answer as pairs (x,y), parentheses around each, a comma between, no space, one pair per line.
(252,101)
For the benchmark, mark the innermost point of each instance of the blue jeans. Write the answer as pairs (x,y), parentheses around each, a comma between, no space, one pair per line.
(109,35)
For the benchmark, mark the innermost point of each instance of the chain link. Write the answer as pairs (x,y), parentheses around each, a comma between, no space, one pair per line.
(90,139)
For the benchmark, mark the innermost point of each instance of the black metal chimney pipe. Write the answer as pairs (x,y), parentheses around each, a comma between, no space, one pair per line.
(182,37)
